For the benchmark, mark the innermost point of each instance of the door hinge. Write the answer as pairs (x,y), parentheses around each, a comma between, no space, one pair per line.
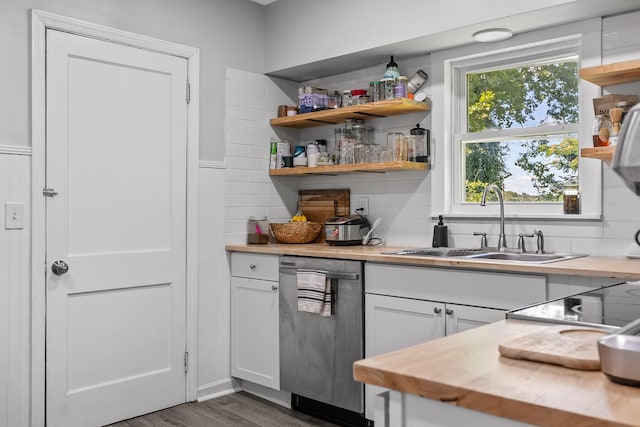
(186,361)
(188,92)
(49,192)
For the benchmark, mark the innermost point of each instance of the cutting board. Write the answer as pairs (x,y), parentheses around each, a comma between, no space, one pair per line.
(569,346)
(318,211)
(341,196)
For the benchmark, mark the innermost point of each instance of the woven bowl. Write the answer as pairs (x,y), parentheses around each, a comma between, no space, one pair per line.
(296,232)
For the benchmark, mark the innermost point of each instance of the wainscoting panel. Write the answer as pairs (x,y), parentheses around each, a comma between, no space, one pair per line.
(214,342)
(15,290)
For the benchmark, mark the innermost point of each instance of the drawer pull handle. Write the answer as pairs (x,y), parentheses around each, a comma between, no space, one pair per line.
(252,266)
(437,310)
(274,288)
(449,311)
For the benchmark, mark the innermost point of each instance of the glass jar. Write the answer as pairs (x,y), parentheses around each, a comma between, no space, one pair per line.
(333,101)
(258,230)
(397,146)
(344,147)
(400,87)
(346,98)
(361,133)
(601,131)
(387,88)
(571,198)
(375,91)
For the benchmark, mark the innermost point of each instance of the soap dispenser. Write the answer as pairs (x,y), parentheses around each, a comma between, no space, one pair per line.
(440,234)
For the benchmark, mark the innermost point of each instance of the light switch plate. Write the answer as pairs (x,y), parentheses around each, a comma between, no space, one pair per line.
(13,215)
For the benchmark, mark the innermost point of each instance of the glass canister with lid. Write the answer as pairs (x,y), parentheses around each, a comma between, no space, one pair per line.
(571,197)
(258,230)
(361,133)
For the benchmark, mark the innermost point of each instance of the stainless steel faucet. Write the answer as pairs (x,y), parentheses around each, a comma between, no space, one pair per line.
(502,238)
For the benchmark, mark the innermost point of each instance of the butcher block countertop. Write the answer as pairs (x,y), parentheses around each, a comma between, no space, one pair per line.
(466,369)
(593,266)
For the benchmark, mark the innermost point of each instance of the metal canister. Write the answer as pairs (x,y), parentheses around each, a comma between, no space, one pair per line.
(416,81)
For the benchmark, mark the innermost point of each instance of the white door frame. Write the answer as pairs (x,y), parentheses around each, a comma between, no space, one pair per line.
(40,22)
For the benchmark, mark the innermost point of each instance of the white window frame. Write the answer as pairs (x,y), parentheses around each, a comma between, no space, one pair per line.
(448,75)
(547,53)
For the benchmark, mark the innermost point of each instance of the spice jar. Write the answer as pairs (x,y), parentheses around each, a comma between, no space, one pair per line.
(375,91)
(346,98)
(356,94)
(571,197)
(400,87)
(387,88)
(601,131)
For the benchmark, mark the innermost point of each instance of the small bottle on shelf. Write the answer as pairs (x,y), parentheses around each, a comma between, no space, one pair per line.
(601,131)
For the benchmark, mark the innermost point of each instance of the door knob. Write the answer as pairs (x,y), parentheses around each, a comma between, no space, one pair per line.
(59,267)
(437,310)
(449,311)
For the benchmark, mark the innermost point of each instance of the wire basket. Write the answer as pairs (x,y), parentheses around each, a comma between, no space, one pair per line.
(296,232)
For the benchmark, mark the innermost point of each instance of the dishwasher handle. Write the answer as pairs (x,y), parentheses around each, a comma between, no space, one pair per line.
(330,274)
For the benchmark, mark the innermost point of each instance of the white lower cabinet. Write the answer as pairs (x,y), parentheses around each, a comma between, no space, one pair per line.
(255,354)
(405,306)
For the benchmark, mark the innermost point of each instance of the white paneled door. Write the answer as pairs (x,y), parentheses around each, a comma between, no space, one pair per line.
(116,157)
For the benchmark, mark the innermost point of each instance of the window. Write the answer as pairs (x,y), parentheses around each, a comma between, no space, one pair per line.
(516,121)
(533,160)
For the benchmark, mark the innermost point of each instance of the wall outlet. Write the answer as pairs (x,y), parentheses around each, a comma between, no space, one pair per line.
(13,215)
(363,204)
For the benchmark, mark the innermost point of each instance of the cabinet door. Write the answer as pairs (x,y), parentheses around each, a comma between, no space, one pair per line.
(255,354)
(459,318)
(393,323)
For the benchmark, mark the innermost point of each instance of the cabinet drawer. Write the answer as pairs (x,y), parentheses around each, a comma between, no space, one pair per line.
(254,266)
(478,288)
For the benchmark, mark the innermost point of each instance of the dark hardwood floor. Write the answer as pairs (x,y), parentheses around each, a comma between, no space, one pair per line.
(237,409)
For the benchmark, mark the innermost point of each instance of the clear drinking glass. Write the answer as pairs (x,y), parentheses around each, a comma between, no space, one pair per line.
(397,144)
(385,154)
(374,153)
(362,153)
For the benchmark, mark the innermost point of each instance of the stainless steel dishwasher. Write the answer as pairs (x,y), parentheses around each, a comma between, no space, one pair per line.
(316,352)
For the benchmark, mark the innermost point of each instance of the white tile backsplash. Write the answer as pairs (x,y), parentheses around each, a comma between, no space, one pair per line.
(403,199)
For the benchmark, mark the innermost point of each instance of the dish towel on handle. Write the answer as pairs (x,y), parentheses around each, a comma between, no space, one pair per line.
(314,292)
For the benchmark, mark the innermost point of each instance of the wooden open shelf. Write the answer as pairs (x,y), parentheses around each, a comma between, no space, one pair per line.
(612,74)
(371,110)
(601,153)
(359,168)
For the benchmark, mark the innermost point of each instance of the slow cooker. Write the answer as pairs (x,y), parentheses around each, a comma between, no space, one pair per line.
(346,230)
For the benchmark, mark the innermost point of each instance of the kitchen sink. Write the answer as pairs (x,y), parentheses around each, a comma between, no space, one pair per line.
(526,257)
(480,254)
(439,252)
